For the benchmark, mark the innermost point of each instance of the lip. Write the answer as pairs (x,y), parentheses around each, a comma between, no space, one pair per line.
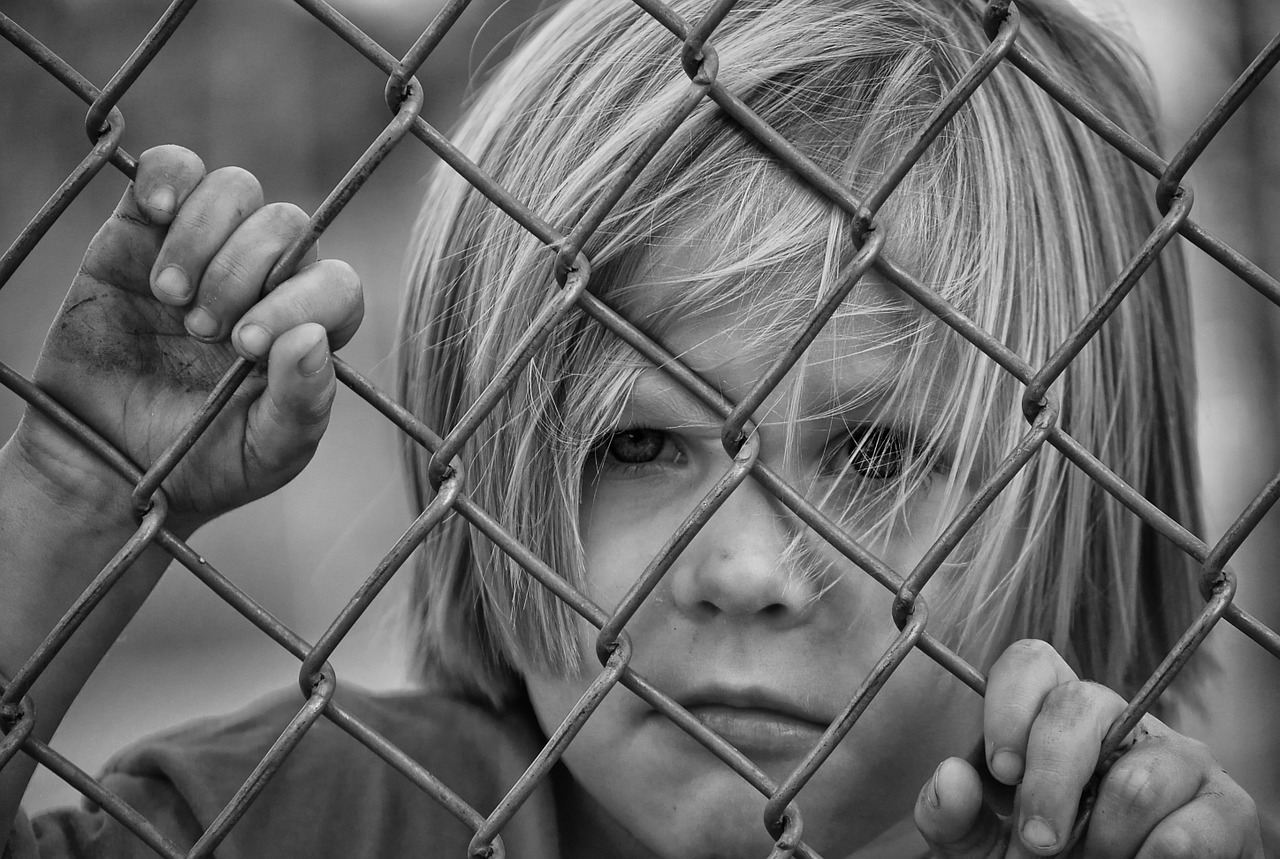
(760,732)
(756,721)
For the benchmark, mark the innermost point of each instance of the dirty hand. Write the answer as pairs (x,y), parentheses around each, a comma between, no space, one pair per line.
(171,289)
(1165,796)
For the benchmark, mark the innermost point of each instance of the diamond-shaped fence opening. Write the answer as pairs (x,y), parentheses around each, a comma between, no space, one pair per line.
(402,125)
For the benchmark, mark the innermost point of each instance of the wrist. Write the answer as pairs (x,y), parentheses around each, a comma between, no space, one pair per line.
(61,474)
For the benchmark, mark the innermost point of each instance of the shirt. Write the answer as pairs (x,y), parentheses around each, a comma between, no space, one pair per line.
(332,797)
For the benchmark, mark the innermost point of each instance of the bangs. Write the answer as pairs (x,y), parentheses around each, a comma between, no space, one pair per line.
(989,218)
(920,395)
(762,253)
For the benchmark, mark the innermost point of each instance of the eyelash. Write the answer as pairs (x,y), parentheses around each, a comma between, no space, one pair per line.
(606,461)
(886,453)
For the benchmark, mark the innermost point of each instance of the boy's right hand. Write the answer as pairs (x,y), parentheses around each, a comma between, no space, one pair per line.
(170,291)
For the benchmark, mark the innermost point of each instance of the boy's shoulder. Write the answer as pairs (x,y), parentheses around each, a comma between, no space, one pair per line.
(432,728)
(334,795)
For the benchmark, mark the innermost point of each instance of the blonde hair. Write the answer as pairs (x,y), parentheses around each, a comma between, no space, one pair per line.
(1017,214)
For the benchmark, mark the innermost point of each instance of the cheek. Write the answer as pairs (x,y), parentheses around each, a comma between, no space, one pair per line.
(681,803)
(915,532)
(552,698)
(653,780)
(932,712)
(621,533)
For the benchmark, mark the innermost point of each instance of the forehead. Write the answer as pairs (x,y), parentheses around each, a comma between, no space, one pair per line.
(731,327)
(853,361)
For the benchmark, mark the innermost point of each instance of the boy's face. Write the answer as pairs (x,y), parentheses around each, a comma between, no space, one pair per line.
(765,646)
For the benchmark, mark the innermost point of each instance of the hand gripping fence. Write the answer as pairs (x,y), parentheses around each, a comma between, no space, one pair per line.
(693,48)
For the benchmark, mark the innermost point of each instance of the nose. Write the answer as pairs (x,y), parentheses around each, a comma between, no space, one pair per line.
(746,563)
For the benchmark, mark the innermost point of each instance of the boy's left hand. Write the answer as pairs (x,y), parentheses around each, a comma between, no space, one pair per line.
(1165,796)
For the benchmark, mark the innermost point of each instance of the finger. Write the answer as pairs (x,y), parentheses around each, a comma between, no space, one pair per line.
(211,213)
(233,280)
(166,177)
(954,820)
(327,292)
(1220,823)
(1062,754)
(288,419)
(1016,688)
(124,250)
(1161,773)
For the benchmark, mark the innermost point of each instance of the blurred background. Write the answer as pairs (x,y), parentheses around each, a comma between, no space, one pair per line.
(261,84)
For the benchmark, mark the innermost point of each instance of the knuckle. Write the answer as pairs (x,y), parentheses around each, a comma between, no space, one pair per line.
(1192,748)
(240,181)
(197,221)
(128,219)
(1070,701)
(289,218)
(1247,810)
(343,277)
(166,157)
(1133,785)
(294,307)
(1189,753)
(166,150)
(227,270)
(294,427)
(312,414)
(1030,651)
(1051,774)
(1099,693)
(276,459)
(1074,701)
(1032,647)
(1174,840)
(1244,802)
(1229,795)
(342,281)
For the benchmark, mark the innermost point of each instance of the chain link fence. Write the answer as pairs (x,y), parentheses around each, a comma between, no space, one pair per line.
(692,46)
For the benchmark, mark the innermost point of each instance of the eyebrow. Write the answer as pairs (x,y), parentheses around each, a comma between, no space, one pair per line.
(663,400)
(842,401)
(660,397)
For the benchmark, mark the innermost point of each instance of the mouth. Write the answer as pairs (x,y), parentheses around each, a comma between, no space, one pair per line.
(756,722)
(760,732)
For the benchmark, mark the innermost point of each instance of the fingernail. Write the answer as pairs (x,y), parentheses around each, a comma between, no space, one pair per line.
(162,200)
(172,281)
(931,794)
(200,323)
(1037,833)
(315,359)
(254,340)
(1006,765)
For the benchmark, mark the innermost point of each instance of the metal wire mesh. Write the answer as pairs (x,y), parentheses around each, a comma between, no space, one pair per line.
(693,48)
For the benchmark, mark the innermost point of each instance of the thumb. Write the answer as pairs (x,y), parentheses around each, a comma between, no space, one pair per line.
(953,817)
(288,419)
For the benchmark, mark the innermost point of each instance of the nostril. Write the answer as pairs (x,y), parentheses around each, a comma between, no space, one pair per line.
(772,611)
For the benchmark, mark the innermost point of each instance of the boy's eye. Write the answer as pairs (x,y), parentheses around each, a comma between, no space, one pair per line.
(875,452)
(635,452)
(637,446)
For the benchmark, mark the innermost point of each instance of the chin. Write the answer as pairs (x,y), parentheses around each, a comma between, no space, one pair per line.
(724,821)
(718,842)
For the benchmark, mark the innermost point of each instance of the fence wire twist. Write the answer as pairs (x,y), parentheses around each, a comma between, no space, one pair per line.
(693,49)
